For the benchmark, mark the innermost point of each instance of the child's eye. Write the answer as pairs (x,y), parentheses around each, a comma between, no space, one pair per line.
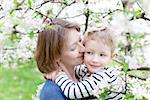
(102,55)
(90,53)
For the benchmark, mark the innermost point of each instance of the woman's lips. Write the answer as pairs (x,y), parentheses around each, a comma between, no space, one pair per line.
(81,56)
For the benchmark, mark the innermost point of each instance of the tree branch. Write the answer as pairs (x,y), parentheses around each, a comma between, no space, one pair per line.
(110,12)
(1,8)
(72,16)
(86,20)
(45,2)
(1,17)
(64,8)
(143,14)
(39,13)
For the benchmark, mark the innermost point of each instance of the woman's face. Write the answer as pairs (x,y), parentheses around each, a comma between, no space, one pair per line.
(73,52)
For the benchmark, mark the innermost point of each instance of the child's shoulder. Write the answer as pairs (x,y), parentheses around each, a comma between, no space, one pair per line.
(111,70)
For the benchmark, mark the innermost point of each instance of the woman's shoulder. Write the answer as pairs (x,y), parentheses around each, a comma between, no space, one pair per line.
(51,85)
(52,91)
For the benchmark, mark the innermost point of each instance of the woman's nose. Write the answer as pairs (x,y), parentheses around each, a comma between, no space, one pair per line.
(81,47)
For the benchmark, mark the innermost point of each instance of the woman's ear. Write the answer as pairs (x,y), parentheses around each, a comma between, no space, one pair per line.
(58,60)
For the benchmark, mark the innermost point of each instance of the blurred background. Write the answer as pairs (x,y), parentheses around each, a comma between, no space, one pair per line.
(20,20)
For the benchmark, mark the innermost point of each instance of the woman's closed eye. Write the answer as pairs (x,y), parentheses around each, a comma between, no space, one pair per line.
(73,48)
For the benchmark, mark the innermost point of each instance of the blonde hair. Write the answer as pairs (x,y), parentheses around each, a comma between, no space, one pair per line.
(103,34)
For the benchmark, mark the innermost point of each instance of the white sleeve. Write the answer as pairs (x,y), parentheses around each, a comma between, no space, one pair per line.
(75,90)
(107,77)
(81,71)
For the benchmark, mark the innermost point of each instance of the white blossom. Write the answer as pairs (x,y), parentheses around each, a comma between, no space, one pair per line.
(37,95)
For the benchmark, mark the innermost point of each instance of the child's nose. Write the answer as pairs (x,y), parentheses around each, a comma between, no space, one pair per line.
(95,59)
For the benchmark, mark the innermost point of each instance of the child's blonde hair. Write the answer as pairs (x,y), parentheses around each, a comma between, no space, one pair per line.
(103,34)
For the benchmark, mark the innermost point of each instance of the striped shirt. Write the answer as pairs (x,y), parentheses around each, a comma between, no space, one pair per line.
(87,83)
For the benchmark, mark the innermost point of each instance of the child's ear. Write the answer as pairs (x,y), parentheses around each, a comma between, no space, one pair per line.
(89,33)
(113,55)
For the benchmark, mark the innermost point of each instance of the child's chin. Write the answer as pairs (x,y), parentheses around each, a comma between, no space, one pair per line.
(95,71)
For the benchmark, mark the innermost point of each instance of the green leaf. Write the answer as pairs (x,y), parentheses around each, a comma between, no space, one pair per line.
(29,3)
(12,12)
(141,36)
(103,95)
(138,13)
(31,34)
(128,97)
(14,36)
(1,23)
(8,42)
(125,67)
(15,3)
(143,74)
(138,44)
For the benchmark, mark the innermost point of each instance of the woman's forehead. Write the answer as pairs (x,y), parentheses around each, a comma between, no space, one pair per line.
(73,37)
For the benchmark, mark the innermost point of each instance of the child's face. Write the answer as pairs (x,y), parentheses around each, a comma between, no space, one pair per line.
(97,55)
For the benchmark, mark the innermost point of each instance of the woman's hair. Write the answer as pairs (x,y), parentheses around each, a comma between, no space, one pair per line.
(50,44)
(103,34)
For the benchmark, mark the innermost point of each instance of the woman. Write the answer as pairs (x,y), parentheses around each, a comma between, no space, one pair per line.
(60,42)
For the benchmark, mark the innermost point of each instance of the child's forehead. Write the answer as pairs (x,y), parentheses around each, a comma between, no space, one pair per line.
(97,45)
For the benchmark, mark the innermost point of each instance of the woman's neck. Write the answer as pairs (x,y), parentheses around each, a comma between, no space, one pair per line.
(70,73)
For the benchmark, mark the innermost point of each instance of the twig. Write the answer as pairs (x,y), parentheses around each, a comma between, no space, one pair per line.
(72,16)
(110,12)
(1,8)
(139,5)
(86,21)
(137,77)
(2,17)
(39,13)
(45,2)
(143,16)
(64,8)
(121,63)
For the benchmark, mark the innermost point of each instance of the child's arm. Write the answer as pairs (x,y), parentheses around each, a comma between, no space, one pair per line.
(81,71)
(75,90)
(117,85)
